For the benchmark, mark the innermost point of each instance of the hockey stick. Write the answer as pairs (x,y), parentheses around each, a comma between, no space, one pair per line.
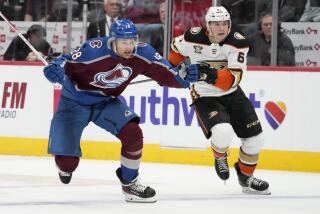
(24,39)
(140,81)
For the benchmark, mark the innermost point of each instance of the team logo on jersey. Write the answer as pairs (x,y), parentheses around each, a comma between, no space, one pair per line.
(195,30)
(238,36)
(212,114)
(128,113)
(95,44)
(112,78)
(197,49)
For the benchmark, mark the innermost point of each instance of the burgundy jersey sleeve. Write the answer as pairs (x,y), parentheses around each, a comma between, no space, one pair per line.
(159,69)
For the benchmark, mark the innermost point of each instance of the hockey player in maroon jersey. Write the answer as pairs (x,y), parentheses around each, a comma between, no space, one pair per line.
(92,77)
(221,106)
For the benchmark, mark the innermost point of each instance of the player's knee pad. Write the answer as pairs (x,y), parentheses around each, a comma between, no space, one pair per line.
(221,136)
(67,163)
(132,140)
(252,145)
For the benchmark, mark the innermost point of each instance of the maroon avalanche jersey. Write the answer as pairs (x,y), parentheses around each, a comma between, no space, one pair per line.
(95,70)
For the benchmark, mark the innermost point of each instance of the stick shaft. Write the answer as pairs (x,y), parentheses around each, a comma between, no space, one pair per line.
(24,39)
(140,81)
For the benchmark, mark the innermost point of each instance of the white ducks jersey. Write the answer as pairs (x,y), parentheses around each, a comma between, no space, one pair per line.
(229,55)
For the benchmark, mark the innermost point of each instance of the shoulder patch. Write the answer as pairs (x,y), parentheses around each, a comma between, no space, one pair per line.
(148,52)
(236,40)
(157,56)
(195,30)
(238,36)
(95,43)
(142,44)
(200,37)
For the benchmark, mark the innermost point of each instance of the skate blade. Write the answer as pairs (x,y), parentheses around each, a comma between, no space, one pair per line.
(250,191)
(135,199)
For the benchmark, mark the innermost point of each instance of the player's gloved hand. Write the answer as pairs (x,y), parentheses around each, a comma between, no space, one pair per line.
(54,72)
(192,73)
(206,73)
(186,74)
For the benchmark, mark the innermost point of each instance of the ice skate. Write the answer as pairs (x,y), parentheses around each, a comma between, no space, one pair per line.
(252,185)
(65,177)
(222,168)
(136,192)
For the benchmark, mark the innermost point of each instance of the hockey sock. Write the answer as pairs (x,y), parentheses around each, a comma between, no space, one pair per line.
(246,169)
(132,142)
(67,163)
(247,163)
(128,174)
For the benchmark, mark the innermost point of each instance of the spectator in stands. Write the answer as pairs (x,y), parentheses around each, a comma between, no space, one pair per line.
(241,12)
(157,36)
(37,10)
(13,9)
(289,10)
(260,45)
(19,51)
(101,27)
(311,12)
(59,10)
(141,11)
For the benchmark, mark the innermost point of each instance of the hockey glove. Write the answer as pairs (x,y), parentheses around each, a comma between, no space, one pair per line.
(186,74)
(192,73)
(206,73)
(54,72)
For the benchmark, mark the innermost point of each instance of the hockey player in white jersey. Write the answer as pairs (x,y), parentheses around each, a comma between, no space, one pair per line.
(220,104)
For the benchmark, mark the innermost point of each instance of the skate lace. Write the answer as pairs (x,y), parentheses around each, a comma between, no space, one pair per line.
(138,187)
(252,181)
(222,164)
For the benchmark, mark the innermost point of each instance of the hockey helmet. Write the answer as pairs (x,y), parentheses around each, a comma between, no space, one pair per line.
(216,14)
(124,29)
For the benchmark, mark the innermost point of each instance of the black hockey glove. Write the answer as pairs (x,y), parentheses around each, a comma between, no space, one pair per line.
(206,73)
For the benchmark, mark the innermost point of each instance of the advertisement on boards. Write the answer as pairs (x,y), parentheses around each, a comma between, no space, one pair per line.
(25,102)
(285,101)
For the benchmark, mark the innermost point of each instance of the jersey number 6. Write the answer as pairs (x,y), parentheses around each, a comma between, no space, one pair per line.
(241,57)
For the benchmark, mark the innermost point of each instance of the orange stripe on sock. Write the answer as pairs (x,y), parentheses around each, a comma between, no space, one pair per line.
(247,169)
(218,154)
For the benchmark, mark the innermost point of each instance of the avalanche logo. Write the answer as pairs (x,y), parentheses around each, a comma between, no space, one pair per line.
(112,78)
(275,113)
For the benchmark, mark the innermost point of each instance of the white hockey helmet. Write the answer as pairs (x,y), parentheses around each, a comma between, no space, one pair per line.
(216,14)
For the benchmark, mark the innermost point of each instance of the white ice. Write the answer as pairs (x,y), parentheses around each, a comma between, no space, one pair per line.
(31,185)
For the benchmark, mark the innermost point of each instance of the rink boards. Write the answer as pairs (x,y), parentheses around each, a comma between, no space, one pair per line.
(286,101)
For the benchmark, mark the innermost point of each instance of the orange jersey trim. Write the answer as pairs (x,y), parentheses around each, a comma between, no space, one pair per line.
(225,79)
(175,58)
